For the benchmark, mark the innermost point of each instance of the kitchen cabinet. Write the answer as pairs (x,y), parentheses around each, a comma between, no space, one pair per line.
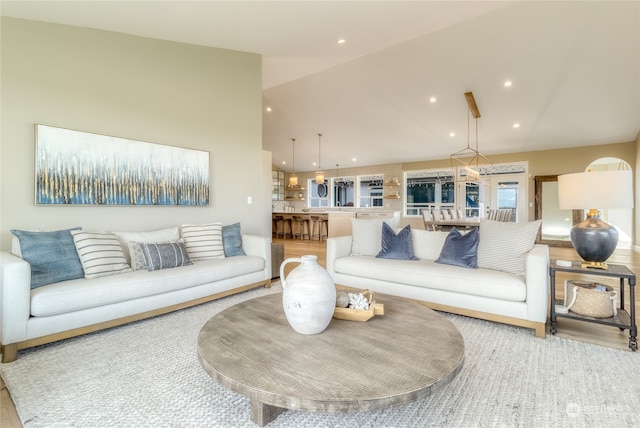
(277,185)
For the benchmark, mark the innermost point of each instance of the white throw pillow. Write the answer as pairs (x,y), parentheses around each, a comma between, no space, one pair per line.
(160,235)
(203,242)
(100,253)
(503,245)
(366,236)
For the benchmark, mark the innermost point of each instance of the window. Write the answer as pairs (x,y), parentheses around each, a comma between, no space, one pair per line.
(370,191)
(318,194)
(428,189)
(343,192)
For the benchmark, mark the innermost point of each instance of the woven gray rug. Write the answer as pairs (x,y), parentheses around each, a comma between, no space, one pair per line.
(147,374)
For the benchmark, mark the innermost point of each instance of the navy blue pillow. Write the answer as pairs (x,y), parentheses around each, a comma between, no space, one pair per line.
(52,255)
(232,240)
(399,247)
(460,250)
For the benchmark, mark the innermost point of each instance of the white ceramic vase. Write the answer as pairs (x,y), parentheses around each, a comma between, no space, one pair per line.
(308,296)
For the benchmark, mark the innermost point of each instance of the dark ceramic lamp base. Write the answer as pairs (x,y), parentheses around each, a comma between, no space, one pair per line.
(594,241)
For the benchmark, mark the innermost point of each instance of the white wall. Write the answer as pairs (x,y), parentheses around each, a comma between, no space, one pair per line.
(132,87)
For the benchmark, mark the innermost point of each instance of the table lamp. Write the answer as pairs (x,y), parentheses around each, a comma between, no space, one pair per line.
(593,239)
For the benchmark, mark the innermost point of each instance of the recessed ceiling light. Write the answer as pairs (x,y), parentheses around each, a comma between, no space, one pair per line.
(452,134)
(516,125)
(354,159)
(268,109)
(432,100)
(508,83)
(341,41)
(284,162)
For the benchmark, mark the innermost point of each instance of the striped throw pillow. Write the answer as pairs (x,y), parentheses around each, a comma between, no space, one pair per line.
(165,255)
(203,242)
(100,253)
(504,245)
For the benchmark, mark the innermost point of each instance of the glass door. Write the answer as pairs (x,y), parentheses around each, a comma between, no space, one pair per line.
(509,192)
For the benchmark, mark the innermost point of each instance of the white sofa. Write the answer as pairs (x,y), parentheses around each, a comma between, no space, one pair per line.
(31,317)
(484,293)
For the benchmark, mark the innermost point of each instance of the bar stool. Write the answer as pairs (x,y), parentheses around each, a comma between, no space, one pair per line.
(302,222)
(282,222)
(274,226)
(321,223)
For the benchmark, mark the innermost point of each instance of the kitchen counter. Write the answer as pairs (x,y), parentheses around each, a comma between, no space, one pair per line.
(339,222)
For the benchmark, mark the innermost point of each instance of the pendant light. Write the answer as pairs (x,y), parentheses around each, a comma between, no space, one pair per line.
(319,173)
(293,178)
(469,158)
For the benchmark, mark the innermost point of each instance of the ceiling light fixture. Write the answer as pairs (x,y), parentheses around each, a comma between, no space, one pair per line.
(341,41)
(469,158)
(432,100)
(516,125)
(293,178)
(508,84)
(319,173)
(268,109)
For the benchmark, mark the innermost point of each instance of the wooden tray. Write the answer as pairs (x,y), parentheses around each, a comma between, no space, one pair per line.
(359,314)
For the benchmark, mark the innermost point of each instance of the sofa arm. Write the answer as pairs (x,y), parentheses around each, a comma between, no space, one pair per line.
(15,298)
(337,247)
(537,278)
(255,245)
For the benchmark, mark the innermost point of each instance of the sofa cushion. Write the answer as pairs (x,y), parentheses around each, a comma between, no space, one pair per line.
(396,246)
(428,274)
(51,255)
(203,241)
(164,255)
(460,249)
(503,245)
(100,253)
(366,236)
(80,294)
(428,244)
(232,240)
(160,235)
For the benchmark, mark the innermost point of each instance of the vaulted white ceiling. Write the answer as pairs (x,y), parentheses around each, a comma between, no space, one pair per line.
(574,68)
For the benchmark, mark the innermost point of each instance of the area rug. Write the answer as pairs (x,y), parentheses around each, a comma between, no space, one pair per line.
(147,374)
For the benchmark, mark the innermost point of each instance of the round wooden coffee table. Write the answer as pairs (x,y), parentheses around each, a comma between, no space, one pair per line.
(408,353)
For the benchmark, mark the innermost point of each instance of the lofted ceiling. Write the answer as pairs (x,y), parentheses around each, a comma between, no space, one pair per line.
(574,68)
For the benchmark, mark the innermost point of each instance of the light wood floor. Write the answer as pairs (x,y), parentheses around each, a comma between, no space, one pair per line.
(582,331)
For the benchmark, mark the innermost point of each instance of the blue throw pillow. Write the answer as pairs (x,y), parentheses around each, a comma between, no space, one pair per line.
(52,256)
(460,250)
(399,247)
(232,240)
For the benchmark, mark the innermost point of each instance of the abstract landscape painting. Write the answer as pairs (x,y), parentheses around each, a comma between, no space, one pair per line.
(74,167)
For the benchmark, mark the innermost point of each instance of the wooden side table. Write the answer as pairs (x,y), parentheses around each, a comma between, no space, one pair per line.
(623,320)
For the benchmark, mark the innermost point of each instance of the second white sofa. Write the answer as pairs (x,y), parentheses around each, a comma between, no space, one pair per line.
(519,299)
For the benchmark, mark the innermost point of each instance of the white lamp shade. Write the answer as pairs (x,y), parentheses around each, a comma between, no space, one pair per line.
(597,189)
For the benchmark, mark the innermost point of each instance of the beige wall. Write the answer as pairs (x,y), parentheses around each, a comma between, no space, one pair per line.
(132,87)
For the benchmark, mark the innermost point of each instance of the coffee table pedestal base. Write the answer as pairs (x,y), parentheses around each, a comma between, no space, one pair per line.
(262,413)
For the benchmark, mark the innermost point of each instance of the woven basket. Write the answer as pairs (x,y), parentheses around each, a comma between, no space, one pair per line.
(583,299)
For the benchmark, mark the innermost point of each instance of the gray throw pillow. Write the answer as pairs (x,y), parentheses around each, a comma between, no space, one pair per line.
(399,247)
(460,249)
(52,256)
(165,255)
(232,240)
